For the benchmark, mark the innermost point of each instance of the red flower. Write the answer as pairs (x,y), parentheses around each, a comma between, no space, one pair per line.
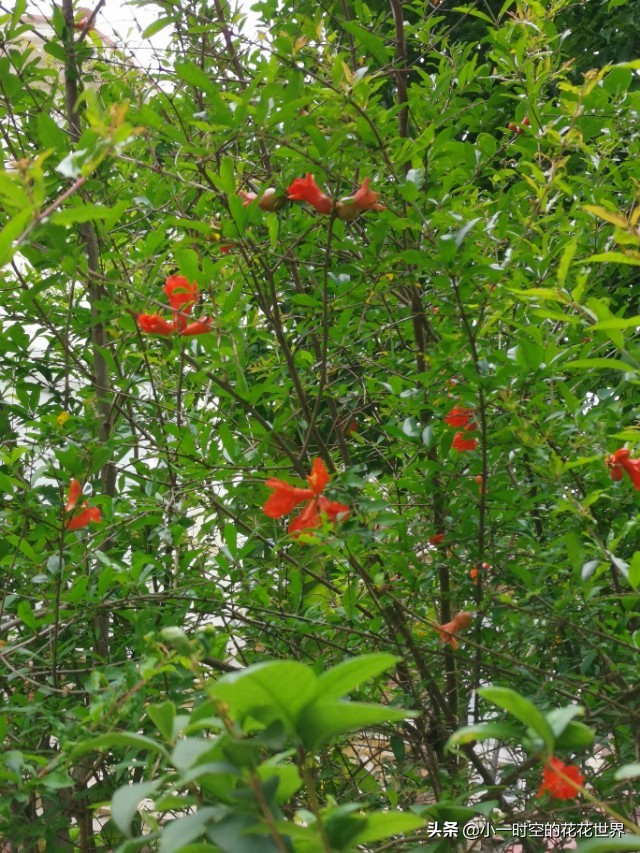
(619,462)
(75,490)
(562,789)
(473,574)
(153,324)
(285,497)
(182,294)
(363,199)
(460,416)
(447,631)
(437,538)
(460,443)
(306,189)
(89,514)
(198,327)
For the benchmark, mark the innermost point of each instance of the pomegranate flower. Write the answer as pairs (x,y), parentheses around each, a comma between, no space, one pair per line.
(86,516)
(363,199)
(619,462)
(75,490)
(461,444)
(181,293)
(437,538)
(562,789)
(198,327)
(448,631)
(286,497)
(306,189)
(153,324)
(461,416)
(182,296)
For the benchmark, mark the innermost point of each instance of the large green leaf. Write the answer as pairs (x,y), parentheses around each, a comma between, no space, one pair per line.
(522,709)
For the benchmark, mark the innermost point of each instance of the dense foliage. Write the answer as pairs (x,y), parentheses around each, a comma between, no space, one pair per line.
(443,370)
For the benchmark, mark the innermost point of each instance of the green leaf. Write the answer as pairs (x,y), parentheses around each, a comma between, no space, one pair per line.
(599,364)
(374,44)
(346,676)
(616,258)
(483,731)
(119,739)
(634,570)
(126,800)
(627,771)
(271,691)
(560,718)
(157,26)
(10,233)
(25,614)
(522,709)
(163,715)
(379,826)
(80,213)
(179,832)
(575,736)
(324,720)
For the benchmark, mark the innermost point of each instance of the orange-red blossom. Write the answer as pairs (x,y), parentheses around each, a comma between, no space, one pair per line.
(448,631)
(619,462)
(306,189)
(86,516)
(285,497)
(562,789)
(348,208)
(182,295)
(363,199)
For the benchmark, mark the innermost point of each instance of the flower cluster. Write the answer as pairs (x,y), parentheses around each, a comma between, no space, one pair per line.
(285,497)
(182,296)
(619,462)
(460,416)
(86,516)
(561,788)
(347,208)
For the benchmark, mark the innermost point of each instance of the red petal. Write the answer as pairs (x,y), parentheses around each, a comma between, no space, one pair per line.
(437,538)
(446,633)
(557,787)
(75,490)
(307,520)
(459,416)
(318,479)
(460,443)
(306,189)
(332,509)
(87,515)
(182,294)
(632,467)
(284,498)
(154,325)
(198,327)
